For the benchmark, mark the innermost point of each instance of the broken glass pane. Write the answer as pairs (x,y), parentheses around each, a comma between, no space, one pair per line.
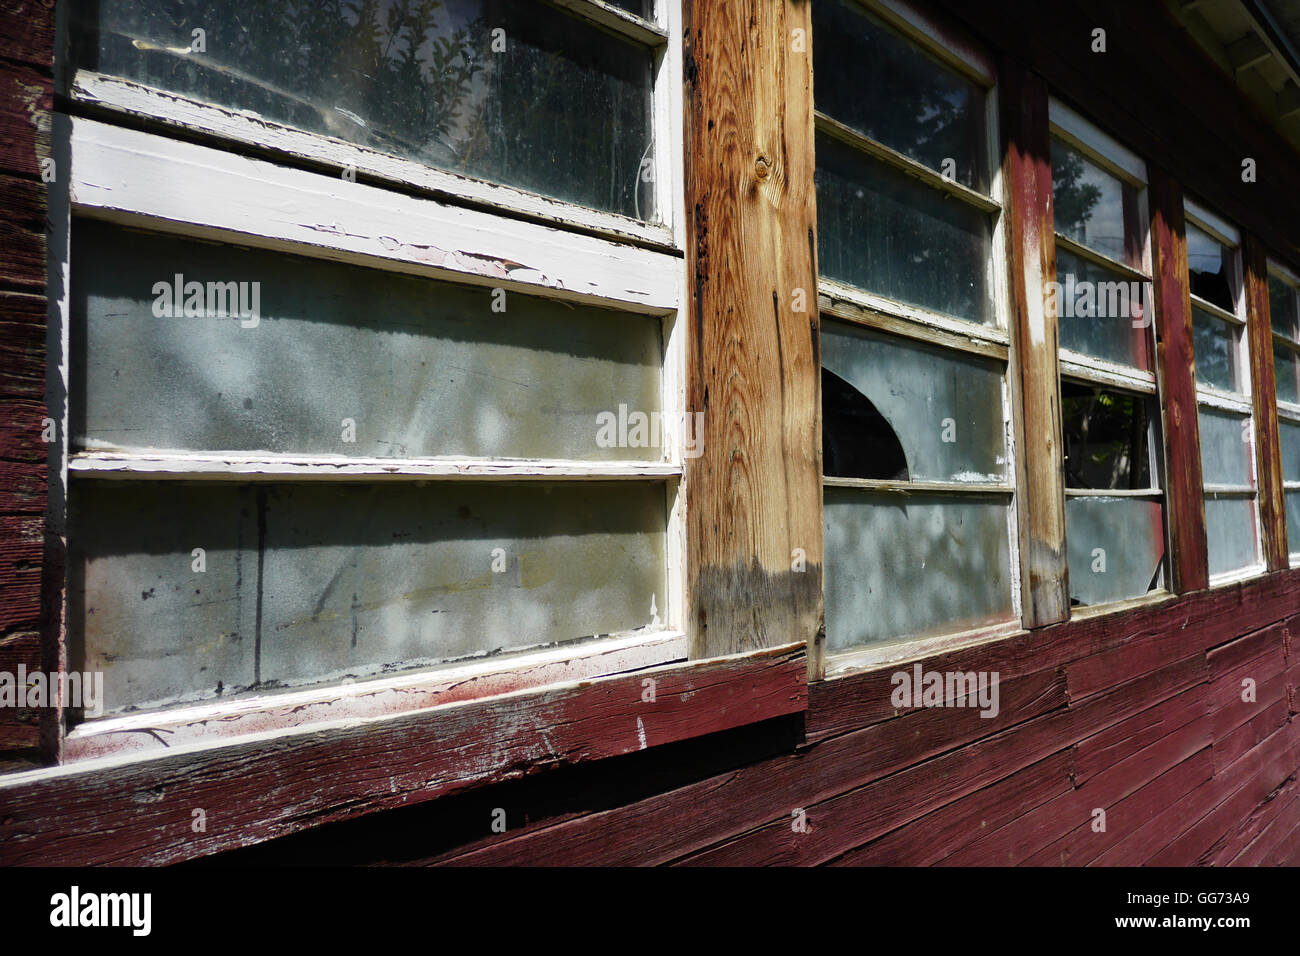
(1116,547)
(884,232)
(1215,342)
(1088,202)
(1100,312)
(1210,265)
(887,88)
(343,360)
(1230,531)
(503,90)
(1225,448)
(1107,437)
(911,565)
(898,409)
(316,582)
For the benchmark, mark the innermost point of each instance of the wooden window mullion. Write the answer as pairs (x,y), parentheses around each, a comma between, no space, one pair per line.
(1177,378)
(1268,451)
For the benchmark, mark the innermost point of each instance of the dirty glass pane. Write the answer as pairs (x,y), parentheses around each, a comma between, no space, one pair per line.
(1209,262)
(505,90)
(1230,533)
(306,583)
(1286,369)
(1215,342)
(419,367)
(1100,312)
(885,232)
(1281,307)
(902,566)
(886,87)
(1116,547)
(1225,448)
(1088,202)
(903,410)
(1293,522)
(1107,437)
(1289,439)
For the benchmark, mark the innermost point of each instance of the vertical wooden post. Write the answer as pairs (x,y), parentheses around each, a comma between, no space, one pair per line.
(1031,247)
(1268,449)
(753,353)
(1184,494)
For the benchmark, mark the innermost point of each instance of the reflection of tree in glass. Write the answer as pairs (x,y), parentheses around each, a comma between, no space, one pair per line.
(1073,200)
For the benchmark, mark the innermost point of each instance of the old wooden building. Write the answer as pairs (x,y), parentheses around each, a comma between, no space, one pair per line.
(642,431)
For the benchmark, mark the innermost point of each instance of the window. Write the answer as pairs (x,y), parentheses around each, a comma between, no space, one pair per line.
(1220,343)
(324,430)
(1110,415)
(1284,312)
(917,449)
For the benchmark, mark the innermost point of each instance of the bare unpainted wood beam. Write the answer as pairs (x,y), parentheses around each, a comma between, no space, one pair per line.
(1044,572)
(1185,503)
(753,358)
(1268,450)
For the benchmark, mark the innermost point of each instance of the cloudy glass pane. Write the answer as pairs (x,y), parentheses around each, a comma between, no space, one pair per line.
(1230,533)
(1101,313)
(1116,547)
(316,582)
(1216,342)
(418,367)
(905,566)
(1225,448)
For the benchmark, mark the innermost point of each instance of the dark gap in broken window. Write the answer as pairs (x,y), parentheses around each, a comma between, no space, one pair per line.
(857,441)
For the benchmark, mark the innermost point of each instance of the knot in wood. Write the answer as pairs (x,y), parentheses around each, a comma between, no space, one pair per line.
(762,168)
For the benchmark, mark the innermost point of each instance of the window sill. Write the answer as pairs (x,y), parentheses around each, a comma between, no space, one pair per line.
(139,810)
(384,696)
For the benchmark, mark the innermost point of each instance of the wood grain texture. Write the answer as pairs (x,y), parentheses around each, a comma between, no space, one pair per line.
(1184,500)
(139,811)
(1268,450)
(753,356)
(1031,252)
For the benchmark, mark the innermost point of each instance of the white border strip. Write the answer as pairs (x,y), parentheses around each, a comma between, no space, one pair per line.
(1077,128)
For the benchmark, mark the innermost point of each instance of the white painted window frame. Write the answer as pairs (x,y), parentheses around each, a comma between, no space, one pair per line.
(1288,412)
(855,306)
(1114,158)
(447,228)
(1238,403)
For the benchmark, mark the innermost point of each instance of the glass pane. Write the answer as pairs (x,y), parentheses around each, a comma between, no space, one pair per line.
(1089,202)
(420,367)
(1230,532)
(1225,448)
(1209,263)
(885,232)
(901,566)
(316,582)
(1289,439)
(1107,438)
(1116,547)
(1100,313)
(1293,522)
(1286,368)
(885,87)
(1215,342)
(896,409)
(1281,307)
(503,90)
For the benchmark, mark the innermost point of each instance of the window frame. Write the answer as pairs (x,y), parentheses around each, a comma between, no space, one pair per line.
(1100,148)
(1215,398)
(856,307)
(1287,412)
(173,168)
